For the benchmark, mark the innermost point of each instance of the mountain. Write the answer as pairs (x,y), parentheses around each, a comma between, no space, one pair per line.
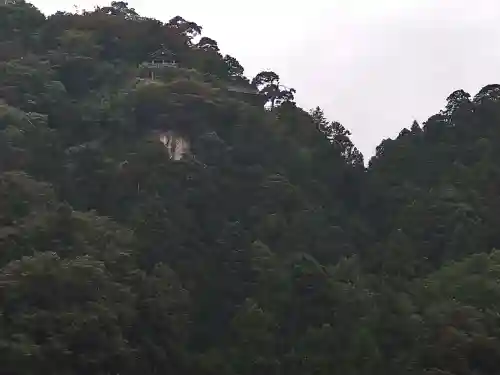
(160,212)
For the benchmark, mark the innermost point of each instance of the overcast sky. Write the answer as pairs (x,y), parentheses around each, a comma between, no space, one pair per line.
(374,66)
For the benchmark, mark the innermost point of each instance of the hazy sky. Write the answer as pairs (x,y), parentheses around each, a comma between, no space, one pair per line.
(374,66)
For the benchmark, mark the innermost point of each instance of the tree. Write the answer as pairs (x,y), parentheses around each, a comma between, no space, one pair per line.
(340,139)
(322,124)
(19,22)
(63,315)
(415,128)
(162,322)
(186,28)
(269,249)
(208,44)
(269,86)
(254,341)
(488,93)
(459,313)
(79,43)
(458,106)
(233,66)
(120,8)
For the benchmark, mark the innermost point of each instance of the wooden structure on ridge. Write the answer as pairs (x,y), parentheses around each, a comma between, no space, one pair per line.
(163,58)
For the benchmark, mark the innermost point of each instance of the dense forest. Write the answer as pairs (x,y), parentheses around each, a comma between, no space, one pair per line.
(162,213)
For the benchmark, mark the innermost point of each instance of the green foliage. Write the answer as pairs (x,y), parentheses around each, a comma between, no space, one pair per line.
(174,223)
(61,315)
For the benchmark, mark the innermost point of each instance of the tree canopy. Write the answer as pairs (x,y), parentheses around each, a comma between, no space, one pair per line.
(188,219)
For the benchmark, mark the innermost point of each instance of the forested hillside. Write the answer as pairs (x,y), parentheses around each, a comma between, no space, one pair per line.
(162,213)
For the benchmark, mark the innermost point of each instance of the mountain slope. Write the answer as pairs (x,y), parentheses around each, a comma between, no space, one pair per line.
(185,218)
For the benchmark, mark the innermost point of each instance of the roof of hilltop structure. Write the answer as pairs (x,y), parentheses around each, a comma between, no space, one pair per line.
(163,53)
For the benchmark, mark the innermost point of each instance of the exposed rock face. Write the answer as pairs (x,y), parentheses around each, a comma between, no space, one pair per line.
(176,145)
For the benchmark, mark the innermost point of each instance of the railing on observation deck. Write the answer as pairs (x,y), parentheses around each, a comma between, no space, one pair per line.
(158,65)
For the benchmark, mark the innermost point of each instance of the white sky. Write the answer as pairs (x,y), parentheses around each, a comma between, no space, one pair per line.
(374,66)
